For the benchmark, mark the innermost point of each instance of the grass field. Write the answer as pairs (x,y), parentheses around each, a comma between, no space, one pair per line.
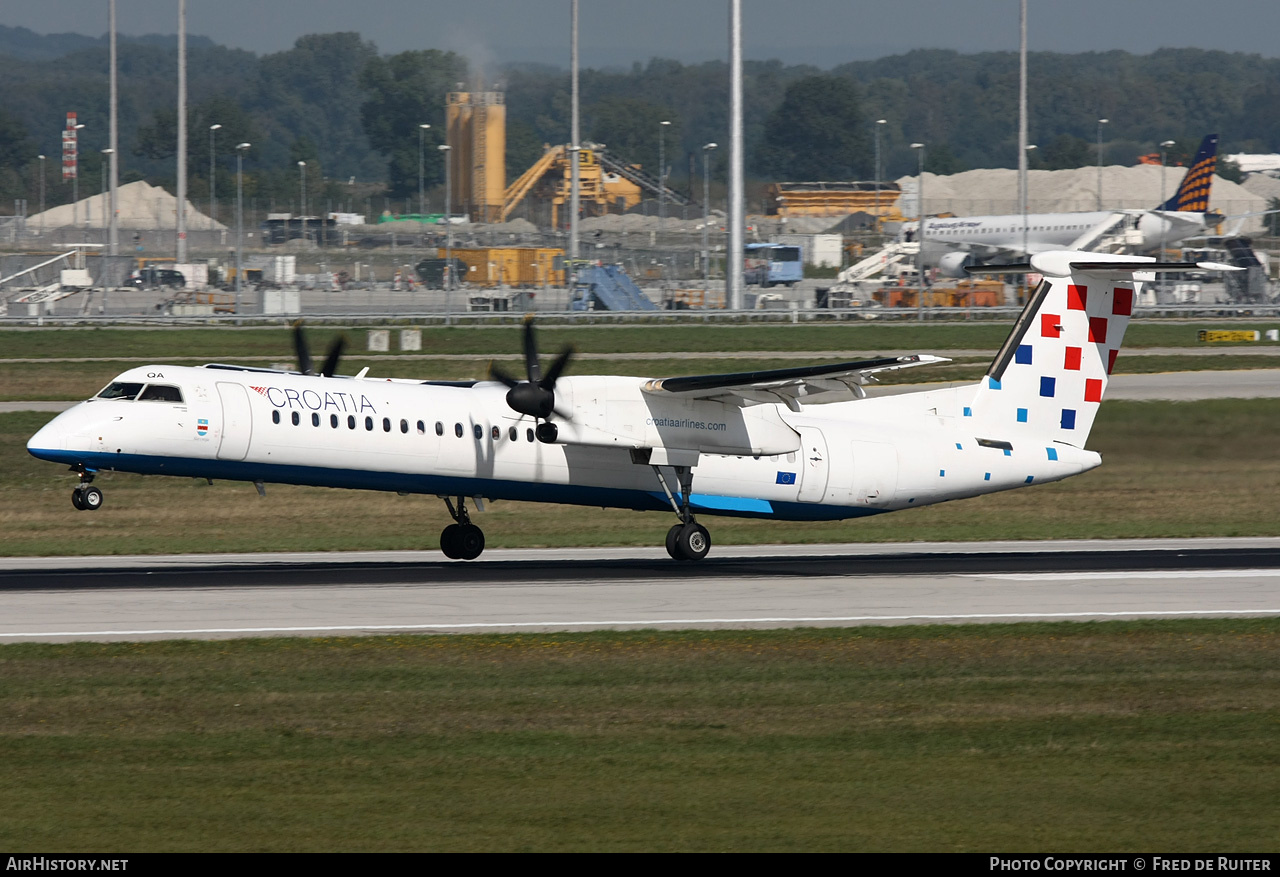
(228,342)
(1170,469)
(1036,738)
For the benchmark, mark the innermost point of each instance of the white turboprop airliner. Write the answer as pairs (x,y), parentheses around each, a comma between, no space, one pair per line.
(793,444)
(955,244)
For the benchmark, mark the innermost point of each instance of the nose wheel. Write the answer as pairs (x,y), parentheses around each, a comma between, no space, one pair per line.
(85,497)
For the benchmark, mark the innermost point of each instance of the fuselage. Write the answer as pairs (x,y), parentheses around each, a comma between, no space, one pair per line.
(989,238)
(832,461)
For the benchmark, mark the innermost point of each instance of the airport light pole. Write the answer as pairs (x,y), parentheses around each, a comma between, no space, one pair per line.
(106,159)
(302,178)
(1101,122)
(422,197)
(240,148)
(879,124)
(448,232)
(1164,149)
(213,197)
(919,147)
(662,176)
(75,184)
(1026,199)
(41,157)
(706,216)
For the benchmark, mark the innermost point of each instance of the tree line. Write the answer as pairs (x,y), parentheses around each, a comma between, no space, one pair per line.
(354,115)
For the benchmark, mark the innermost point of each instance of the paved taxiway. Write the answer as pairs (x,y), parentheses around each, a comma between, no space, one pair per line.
(223,596)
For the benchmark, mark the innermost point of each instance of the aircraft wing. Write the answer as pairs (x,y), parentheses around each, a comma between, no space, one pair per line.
(837,382)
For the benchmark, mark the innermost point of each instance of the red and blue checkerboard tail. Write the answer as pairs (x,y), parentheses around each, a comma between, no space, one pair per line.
(1048,379)
(1193,195)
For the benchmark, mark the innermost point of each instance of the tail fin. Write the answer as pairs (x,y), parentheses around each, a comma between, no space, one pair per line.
(1050,375)
(1193,195)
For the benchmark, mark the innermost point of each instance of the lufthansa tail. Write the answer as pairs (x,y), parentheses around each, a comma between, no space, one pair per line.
(1193,195)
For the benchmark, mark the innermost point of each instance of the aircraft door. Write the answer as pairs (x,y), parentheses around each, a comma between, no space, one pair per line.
(237,425)
(814,466)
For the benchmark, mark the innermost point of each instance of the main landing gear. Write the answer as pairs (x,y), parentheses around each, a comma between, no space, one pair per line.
(462,540)
(687,540)
(85,497)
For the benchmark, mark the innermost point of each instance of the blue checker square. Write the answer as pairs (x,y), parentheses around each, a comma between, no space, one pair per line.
(942,473)
(1022,415)
(986,477)
(968,412)
(1008,453)
(1030,478)
(960,447)
(1053,453)
(992,383)
(1048,386)
(1023,355)
(1068,418)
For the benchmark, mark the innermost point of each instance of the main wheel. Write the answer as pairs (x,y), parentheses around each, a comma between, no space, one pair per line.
(449,541)
(672,535)
(470,542)
(77,499)
(693,542)
(91,498)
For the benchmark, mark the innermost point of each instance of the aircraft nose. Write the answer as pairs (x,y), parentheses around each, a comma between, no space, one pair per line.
(46,439)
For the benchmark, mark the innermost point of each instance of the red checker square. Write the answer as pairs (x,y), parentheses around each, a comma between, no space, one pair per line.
(1111,360)
(1093,390)
(1098,330)
(1072,361)
(1122,305)
(1049,325)
(1076,297)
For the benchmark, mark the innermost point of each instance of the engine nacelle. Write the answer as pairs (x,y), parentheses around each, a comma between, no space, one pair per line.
(953,264)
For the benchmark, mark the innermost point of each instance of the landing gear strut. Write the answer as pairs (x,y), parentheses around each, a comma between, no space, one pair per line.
(687,540)
(84,497)
(461,540)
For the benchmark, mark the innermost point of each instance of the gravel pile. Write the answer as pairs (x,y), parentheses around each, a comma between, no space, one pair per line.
(142,206)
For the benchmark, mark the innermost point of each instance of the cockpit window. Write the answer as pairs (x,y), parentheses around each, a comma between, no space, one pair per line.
(160,393)
(120,390)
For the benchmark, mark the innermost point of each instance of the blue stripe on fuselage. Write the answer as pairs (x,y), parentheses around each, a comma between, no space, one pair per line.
(445,485)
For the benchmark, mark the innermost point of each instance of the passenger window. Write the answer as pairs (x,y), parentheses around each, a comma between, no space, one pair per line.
(294,418)
(160,393)
(439,428)
(315,419)
(386,424)
(351,421)
(528,434)
(275,416)
(422,428)
(477,431)
(457,430)
(496,434)
(404,426)
(513,435)
(368,424)
(333,421)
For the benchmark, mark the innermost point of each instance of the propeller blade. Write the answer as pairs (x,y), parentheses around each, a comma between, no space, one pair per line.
(557,367)
(532,367)
(335,354)
(497,374)
(301,349)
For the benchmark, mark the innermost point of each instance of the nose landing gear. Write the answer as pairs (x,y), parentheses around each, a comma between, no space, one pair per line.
(461,540)
(84,497)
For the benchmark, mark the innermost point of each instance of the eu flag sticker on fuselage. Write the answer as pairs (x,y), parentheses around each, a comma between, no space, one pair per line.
(786,478)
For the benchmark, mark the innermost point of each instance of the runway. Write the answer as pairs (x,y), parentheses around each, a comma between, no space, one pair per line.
(226,596)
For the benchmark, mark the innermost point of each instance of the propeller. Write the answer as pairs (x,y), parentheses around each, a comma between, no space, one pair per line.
(303,351)
(535,396)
